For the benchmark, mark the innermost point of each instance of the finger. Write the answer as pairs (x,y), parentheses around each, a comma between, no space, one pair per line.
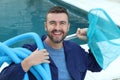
(46,54)
(46,61)
(44,50)
(47,57)
(83,32)
(78,31)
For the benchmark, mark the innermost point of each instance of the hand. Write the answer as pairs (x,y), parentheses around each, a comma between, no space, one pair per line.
(39,56)
(82,33)
(36,57)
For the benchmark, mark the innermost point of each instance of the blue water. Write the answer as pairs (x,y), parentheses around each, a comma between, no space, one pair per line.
(21,16)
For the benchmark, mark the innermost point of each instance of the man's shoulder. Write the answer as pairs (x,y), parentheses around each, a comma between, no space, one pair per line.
(70,43)
(31,47)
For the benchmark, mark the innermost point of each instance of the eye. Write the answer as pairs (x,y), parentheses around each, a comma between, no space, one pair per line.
(62,23)
(52,23)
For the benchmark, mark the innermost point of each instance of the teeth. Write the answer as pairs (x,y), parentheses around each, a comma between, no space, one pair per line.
(56,32)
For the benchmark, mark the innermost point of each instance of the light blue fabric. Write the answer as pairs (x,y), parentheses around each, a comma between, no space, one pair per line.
(58,57)
(103,37)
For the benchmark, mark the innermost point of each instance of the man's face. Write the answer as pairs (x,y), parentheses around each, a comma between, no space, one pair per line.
(57,26)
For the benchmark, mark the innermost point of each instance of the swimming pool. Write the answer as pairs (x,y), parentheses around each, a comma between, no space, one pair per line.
(21,16)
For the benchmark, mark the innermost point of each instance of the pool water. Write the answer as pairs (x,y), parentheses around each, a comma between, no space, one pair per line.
(21,16)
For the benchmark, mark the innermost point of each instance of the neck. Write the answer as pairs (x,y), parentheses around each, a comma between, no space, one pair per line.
(53,44)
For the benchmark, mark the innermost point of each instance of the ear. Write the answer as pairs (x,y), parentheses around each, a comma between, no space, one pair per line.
(68,27)
(45,25)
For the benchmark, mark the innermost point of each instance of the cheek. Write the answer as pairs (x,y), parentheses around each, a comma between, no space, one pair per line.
(66,29)
(49,28)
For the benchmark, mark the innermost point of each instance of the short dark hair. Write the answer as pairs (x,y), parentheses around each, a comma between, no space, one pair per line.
(58,9)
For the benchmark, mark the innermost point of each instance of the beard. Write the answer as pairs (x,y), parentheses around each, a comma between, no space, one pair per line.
(56,39)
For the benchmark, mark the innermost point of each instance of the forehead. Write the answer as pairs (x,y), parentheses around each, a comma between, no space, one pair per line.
(57,16)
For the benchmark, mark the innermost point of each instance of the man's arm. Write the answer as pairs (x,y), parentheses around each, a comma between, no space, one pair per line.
(92,63)
(12,72)
(36,57)
(17,71)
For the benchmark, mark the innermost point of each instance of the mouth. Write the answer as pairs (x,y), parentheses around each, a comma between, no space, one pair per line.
(56,36)
(57,33)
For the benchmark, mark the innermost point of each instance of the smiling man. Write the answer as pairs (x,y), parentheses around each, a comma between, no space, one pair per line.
(67,60)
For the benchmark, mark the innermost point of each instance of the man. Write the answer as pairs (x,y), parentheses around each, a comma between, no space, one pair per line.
(67,60)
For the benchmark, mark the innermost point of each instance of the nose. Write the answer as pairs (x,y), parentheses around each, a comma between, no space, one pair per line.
(58,26)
